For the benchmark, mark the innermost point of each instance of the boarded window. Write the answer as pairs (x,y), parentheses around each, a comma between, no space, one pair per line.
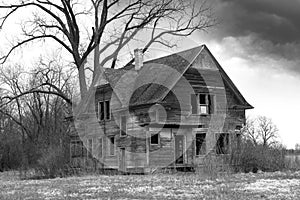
(100,146)
(123,126)
(154,139)
(103,110)
(200,144)
(222,146)
(111,145)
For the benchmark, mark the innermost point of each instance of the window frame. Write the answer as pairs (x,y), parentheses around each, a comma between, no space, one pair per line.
(205,104)
(106,113)
(209,104)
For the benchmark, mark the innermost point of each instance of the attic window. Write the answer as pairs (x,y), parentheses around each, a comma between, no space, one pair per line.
(202,103)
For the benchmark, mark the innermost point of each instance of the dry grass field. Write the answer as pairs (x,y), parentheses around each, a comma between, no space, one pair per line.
(278,185)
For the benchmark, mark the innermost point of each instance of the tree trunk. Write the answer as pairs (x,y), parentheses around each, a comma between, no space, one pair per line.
(82,81)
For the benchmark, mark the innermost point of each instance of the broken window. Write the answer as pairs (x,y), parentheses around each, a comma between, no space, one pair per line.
(111,145)
(123,126)
(202,103)
(222,146)
(154,139)
(103,110)
(200,144)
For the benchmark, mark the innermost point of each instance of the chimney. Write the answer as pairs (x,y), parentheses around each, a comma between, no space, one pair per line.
(138,59)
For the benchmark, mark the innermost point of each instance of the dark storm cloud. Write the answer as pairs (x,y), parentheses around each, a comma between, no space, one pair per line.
(274,20)
(267,29)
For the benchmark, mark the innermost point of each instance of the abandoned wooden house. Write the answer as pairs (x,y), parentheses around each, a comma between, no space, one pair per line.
(172,111)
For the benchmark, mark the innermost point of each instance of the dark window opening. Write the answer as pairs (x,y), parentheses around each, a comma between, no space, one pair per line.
(111,146)
(123,126)
(200,144)
(154,139)
(103,110)
(222,146)
(107,110)
(202,99)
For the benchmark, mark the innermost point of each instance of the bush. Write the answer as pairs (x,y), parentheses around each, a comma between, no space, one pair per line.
(258,157)
(51,162)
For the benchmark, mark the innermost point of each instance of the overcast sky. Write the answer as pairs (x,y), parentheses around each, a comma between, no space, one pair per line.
(258,44)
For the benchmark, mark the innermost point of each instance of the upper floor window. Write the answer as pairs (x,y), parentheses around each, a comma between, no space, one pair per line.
(202,103)
(103,110)
(123,126)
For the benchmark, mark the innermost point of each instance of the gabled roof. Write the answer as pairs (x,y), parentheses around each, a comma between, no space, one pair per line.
(157,77)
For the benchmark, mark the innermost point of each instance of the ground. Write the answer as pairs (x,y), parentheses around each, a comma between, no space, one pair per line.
(278,185)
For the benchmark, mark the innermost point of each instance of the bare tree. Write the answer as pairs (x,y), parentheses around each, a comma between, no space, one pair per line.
(38,118)
(32,111)
(109,26)
(261,131)
(249,131)
(267,131)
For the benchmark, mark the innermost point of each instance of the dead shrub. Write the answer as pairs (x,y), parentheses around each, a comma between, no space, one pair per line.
(252,158)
